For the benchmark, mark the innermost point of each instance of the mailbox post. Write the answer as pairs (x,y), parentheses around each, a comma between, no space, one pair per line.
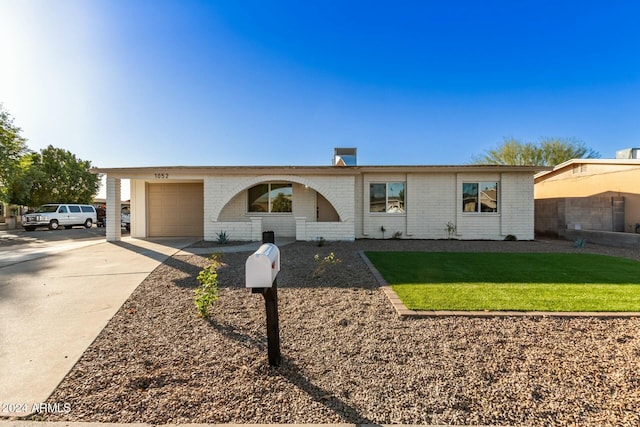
(261,270)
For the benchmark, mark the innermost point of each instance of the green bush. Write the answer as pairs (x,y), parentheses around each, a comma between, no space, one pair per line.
(207,293)
(323,263)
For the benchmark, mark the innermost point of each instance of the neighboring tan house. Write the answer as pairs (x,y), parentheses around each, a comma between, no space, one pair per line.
(590,194)
(340,202)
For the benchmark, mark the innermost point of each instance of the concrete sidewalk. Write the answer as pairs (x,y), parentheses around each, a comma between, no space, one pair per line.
(54,305)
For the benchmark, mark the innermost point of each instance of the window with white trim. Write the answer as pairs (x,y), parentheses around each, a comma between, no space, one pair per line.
(387,197)
(481,197)
(271,197)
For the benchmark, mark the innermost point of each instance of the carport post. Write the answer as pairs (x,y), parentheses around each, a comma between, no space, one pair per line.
(114,231)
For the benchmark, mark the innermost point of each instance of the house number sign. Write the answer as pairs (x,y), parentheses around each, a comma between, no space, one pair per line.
(162,176)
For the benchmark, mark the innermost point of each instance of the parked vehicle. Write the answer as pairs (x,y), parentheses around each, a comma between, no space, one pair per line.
(125,218)
(56,215)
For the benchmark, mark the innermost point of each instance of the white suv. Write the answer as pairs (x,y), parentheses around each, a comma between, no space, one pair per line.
(56,215)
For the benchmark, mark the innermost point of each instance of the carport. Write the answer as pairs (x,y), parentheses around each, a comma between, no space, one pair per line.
(163,203)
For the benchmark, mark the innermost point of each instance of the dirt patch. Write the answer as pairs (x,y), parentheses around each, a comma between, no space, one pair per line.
(347,357)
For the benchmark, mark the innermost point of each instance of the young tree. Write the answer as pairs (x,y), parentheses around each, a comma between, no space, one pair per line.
(58,176)
(547,152)
(12,148)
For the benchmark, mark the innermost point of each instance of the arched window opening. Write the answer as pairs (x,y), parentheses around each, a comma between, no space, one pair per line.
(271,197)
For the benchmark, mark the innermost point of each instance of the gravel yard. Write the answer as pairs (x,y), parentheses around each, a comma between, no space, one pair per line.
(346,356)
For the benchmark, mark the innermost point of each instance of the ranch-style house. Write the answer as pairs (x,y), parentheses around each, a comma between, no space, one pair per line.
(343,201)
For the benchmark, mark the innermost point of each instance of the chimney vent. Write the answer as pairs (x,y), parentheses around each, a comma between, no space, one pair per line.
(344,156)
(628,153)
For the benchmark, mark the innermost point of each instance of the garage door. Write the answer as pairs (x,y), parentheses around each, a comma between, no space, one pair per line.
(175,209)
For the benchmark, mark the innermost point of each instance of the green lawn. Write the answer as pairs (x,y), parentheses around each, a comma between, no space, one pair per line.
(511,281)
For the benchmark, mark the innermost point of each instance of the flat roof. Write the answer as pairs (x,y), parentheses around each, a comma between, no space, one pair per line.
(622,162)
(312,170)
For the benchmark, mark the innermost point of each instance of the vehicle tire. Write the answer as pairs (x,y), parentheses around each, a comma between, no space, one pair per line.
(53,225)
(88,223)
(29,228)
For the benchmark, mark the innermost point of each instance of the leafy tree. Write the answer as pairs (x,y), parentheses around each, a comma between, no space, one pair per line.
(547,152)
(18,188)
(12,148)
(56,175)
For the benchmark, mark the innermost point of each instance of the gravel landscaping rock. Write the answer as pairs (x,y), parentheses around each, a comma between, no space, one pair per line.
(347,357)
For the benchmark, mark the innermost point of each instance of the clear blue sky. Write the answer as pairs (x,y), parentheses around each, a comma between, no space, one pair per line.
(153,83)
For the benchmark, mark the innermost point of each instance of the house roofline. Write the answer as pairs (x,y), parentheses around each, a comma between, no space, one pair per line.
(571,162)
(312,170)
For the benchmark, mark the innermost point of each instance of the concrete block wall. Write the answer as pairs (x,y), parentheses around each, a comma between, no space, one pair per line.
(517,206)
(589,213)
(553,216)
(138,193)
(431,203)
(225,202)
(312,231)
(434,199)
(234,230)
(549,216)
(114,231)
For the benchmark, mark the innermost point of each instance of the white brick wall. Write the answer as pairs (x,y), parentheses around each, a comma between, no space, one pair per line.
(517,206)
(431,203)
(114,231)
(327,230)
(138,208)
(432,199)
(225,203)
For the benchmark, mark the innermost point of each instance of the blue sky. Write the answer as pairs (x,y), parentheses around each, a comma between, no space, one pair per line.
(153,83)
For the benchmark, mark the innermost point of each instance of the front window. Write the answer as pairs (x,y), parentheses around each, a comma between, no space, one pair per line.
(480,197)
(271,198)
(387,197)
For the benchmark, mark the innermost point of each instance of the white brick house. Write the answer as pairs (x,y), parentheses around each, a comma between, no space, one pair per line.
(329,202)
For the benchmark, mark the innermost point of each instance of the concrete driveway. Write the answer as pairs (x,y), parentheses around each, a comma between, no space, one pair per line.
(54,301)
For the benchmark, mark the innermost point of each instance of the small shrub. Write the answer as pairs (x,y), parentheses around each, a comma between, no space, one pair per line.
(321,241)
(510,238)
(383,230)
(208,292)
(397,235)
(222,237)
(323,263)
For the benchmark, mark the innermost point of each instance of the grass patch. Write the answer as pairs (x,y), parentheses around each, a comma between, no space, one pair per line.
(511,281)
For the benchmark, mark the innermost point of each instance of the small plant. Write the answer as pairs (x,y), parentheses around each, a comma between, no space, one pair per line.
(510,238)
(323,263)
(397,235)
(451,230)
(222,237)
(383,230)
(321,241)
(207,293)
